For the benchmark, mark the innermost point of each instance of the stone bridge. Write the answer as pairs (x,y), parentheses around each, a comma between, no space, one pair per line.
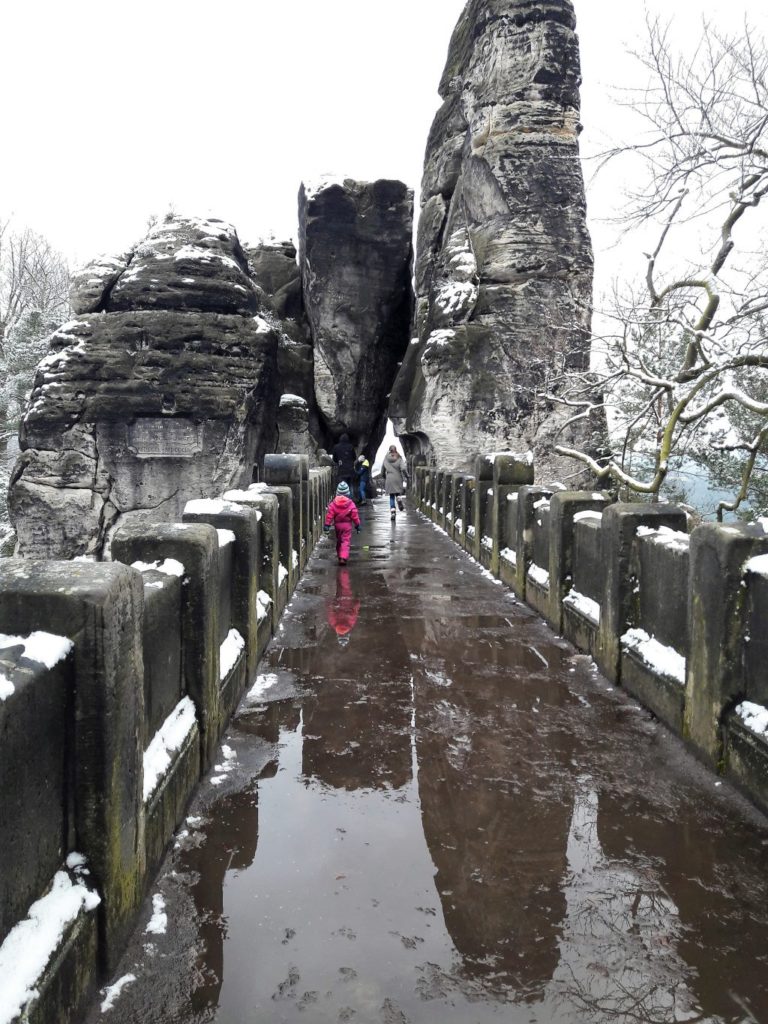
(454,780)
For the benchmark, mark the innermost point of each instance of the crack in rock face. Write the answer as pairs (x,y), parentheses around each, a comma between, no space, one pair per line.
(503,270)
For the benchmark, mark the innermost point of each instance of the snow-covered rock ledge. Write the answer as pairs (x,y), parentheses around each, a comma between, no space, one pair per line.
(664,660)
(32,945)
(583,605)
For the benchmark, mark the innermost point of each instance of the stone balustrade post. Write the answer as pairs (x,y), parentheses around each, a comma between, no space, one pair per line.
(286,471)
(480,507)
(563,506)
(287,575)
(315,484)
(196,547)
(421,483)
(429,487)
(510,473)
(306,512)
(99,607)
(244,523)
(453,483)
(467,511)
(258,498)
(717,603)
(527,497)
(440,498)
(618,541)
(460,507)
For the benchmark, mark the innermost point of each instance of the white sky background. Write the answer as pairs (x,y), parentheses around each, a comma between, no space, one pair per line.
(111,112)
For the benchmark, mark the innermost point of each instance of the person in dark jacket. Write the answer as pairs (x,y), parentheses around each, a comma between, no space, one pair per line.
(344,456)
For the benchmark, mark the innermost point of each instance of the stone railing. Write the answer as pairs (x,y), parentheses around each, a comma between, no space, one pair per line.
(677,619)
(117,680)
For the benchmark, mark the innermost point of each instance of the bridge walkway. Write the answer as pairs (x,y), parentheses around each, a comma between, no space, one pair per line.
(432,809)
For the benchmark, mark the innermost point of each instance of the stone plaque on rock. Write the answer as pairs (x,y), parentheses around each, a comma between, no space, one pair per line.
(159,438)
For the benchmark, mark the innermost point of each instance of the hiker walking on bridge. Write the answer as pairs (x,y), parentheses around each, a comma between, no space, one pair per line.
(343,515)
(344,456)
(363,470)
(393,473)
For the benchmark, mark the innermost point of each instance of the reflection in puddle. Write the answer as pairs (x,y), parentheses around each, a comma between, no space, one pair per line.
(344,608)
(618,953)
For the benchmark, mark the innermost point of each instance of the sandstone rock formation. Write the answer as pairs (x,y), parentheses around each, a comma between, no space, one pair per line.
(294,435)
(503,272)
(355,256)
(275,269)
(161,390)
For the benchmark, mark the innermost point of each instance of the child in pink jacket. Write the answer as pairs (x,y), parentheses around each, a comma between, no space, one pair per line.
(342,513)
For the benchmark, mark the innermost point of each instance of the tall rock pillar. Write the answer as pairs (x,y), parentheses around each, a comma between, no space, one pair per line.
(356,261)
(503,271)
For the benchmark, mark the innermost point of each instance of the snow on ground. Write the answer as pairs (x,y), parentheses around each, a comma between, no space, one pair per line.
(229,652)
(485,572)
(158,923)
(29,946)
(662,659)
(264,681)
(112,992)
(167,740)
(225,767)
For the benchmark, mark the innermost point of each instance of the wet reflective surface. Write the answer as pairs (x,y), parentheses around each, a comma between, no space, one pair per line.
(439,812)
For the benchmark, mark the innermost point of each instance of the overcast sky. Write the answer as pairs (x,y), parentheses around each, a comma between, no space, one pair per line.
(111,112)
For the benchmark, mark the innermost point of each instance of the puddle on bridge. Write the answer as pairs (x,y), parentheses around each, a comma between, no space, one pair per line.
(441,813)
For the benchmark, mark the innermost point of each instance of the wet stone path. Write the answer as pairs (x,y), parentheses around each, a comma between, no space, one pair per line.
(433,810)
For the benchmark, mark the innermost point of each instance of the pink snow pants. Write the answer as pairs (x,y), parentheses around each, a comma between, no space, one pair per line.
(343,539)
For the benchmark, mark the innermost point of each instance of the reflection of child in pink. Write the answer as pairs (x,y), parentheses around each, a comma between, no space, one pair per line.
(344,609)
(343,515)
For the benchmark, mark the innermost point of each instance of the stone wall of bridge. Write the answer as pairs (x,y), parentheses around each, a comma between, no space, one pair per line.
(676,618)
(117,680)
